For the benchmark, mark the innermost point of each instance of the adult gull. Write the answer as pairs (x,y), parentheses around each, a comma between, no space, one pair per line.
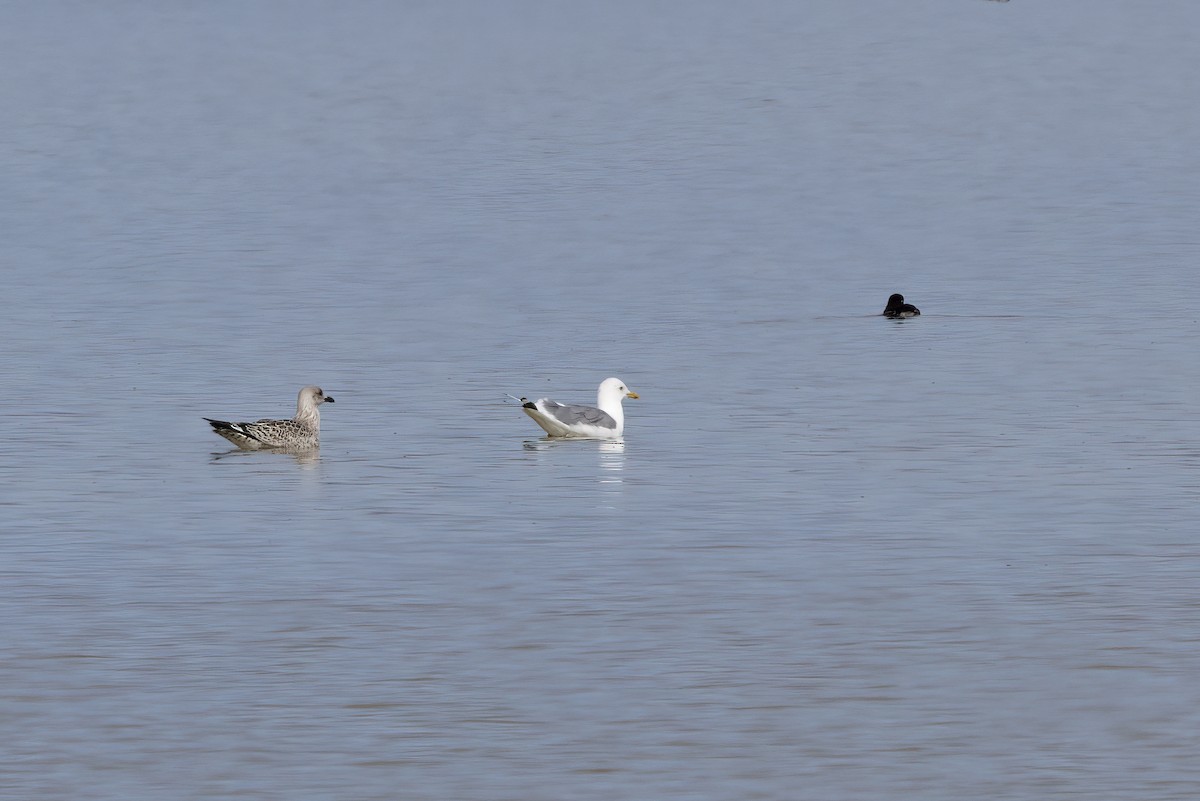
(606,420)
(302,432)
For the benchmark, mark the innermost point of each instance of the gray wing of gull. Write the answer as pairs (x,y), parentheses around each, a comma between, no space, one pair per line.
(574,415)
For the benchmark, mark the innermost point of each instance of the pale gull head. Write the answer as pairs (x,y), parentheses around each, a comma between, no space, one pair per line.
(612,391)
(309,399)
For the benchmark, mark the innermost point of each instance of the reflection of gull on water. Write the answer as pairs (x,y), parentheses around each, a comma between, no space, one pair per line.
(612,460)
(302,432)
(606,420)
(305,458)
(611,454)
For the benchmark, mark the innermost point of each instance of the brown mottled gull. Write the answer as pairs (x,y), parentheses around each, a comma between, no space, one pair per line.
(302,432)
(604,421)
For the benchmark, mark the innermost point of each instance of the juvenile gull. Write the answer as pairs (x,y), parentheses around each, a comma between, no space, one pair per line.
(896,307)
(302,432)
(604,421)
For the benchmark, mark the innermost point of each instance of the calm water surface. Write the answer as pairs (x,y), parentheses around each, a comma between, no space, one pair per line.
(836,556)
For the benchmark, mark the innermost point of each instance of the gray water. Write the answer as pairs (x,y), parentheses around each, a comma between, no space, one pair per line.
(835,556)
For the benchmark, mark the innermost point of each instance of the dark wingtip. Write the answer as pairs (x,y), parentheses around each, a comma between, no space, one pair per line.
(528,405)
(328,399)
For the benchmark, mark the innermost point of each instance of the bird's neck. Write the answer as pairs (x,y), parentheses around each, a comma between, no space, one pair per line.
(307,413)
(612,406)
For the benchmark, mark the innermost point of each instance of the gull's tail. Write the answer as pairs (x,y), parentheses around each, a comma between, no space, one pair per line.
(234,432)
